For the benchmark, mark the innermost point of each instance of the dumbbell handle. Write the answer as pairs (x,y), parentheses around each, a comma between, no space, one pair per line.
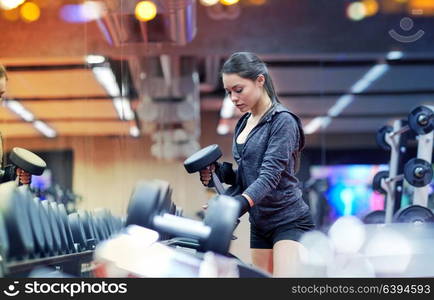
(18,178)
(407,128)
(400,131)
(217,183)
(393,179)
(180,226)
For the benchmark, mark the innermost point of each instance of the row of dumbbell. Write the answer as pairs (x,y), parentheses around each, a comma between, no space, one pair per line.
(31,228)
(151,206)
(90,228)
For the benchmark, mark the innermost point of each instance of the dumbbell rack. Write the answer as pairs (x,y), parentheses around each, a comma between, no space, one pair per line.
(424,151)
(75,265)
(72,253)
(395,188)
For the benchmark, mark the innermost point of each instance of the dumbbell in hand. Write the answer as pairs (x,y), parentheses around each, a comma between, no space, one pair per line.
(24,164)
(205,161)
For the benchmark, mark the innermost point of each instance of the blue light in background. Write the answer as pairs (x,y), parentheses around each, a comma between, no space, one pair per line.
(43,181)
(82,13)
(347,196)
(350,191)
(72,13)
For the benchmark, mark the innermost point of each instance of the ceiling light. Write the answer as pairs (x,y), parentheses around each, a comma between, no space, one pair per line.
(44,129)
(95,59)
(20,110)
(145,11)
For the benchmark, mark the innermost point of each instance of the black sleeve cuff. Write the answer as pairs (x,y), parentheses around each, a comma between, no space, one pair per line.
(9,174)
(244,203)
(225,173)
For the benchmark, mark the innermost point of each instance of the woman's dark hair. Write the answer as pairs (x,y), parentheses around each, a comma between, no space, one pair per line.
(249,66)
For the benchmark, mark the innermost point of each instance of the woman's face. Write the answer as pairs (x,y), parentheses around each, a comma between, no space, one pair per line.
(244,93)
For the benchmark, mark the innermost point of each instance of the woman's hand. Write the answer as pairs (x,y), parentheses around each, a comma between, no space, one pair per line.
(23,176)
(206,174)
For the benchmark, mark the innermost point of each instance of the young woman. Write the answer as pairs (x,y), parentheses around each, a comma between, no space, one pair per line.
(24,177)
(266,147)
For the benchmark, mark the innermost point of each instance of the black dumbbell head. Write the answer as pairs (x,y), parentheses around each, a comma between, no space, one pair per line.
(46,227)
(418,172)
(202,158)
(27,160)
(64,217)
(165,202)
(55,231)
(221,216)
(172,210)
(376,182)
(16,218)
(414,214)
(61,226)
(101,227)
(381,137)
(143,205)
(35,220)
(105,217)
(420,120)
(77,230)
(375,217)
(4,239)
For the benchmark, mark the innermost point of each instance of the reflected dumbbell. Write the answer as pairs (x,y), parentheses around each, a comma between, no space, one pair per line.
(78,233)
(101,227)
(55,230)
(90,228)
(46,228)
(420,122)
(214,233)
(105,221)
(64,243)
(36,222)
(63,215)
(27,160)
(101,224)
(14,211)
